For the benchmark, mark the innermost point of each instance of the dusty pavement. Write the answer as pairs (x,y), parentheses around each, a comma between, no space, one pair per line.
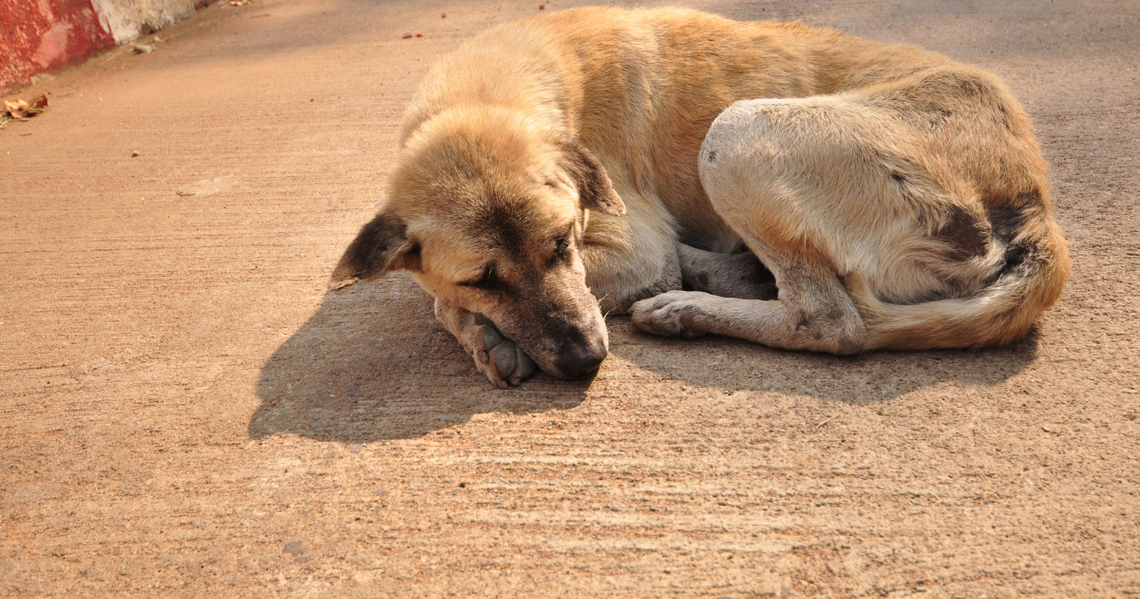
(185,412)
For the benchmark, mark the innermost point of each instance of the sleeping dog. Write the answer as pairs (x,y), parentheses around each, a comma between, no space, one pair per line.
(792,186)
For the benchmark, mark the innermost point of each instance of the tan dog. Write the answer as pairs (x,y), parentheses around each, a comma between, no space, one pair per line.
(895,199)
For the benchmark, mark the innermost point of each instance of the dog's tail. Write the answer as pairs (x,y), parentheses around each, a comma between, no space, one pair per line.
(1036,266)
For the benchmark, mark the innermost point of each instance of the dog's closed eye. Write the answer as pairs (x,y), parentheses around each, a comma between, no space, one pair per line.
(486,281)
(562,244)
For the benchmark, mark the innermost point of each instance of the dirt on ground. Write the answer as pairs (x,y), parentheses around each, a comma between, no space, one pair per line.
(185,412)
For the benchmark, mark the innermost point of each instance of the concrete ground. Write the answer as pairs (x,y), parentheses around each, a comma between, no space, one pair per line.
(185,412)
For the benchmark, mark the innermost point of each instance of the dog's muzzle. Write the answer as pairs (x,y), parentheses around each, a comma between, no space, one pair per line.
(581,359)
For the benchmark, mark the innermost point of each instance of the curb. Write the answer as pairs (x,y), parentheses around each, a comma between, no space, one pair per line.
(39,38)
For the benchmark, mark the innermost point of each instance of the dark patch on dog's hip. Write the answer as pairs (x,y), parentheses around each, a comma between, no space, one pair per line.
(966,232)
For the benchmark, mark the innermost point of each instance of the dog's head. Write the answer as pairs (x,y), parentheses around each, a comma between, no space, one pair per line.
(487,211)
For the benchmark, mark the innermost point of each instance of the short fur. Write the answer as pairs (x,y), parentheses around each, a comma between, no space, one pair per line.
(895,199)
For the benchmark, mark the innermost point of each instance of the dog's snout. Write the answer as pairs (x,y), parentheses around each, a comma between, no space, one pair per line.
(582,360)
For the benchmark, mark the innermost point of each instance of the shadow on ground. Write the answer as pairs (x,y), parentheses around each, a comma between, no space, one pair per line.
(372,364)
(731,364)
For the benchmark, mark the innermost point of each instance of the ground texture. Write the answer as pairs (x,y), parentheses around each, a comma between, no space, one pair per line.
(185,412)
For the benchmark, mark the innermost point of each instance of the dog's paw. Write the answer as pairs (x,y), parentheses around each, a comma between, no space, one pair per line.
(673,314)
(500,359)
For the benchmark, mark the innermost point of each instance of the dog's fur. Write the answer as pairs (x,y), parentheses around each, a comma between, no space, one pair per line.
(894,198)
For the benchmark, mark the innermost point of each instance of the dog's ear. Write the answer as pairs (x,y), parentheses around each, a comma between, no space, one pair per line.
(381,247)
(595,192)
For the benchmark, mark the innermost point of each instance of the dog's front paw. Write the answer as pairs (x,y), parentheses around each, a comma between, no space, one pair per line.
(673,314)
(500,359)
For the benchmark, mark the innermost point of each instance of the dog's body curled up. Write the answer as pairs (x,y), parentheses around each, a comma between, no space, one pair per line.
(809,190)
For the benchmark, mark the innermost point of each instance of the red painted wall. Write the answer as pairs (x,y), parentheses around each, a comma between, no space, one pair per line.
(45,35)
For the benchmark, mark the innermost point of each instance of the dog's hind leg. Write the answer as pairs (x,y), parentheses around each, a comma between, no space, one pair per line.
(500,359)
(739,275)
(779,175)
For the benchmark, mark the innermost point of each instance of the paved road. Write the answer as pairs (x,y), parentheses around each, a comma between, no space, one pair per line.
(186,413)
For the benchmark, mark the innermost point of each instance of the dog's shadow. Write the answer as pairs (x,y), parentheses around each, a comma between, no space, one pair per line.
(732,365)
(372,364)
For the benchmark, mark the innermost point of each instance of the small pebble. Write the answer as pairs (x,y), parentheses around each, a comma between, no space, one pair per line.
(296,548)
(134,154)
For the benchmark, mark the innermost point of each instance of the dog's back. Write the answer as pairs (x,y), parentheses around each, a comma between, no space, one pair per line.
(640,88)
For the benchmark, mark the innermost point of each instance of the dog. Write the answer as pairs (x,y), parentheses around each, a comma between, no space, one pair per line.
(788,185)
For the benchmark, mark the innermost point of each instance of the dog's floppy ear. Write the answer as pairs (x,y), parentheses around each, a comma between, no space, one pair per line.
(381,247)
(595,192)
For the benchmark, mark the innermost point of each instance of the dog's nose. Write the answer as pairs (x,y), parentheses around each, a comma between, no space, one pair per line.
(582,360)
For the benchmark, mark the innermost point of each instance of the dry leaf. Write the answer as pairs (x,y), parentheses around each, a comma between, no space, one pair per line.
(22,110)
